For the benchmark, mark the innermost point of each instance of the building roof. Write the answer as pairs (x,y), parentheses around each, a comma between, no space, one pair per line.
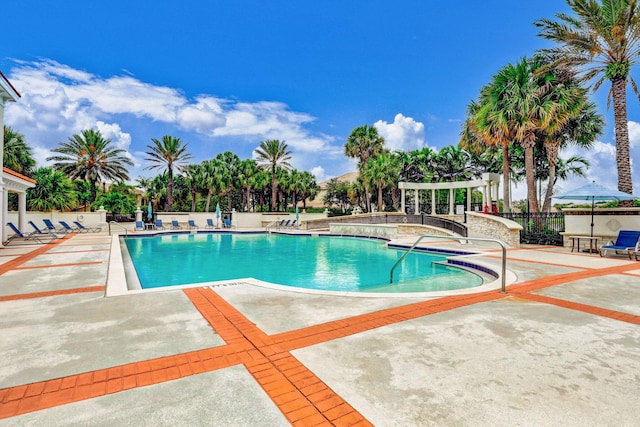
(7,171)
(7,91)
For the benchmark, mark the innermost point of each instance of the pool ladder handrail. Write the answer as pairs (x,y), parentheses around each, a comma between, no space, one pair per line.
(481,239)
(270,225)
(118,225)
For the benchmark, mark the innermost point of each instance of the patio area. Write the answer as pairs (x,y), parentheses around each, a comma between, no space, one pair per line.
(562,347)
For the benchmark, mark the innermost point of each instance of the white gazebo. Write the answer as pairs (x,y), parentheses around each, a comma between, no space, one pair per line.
(489,184)
(9,180)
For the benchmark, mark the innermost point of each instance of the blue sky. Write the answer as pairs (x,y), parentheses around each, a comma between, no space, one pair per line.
(227,75)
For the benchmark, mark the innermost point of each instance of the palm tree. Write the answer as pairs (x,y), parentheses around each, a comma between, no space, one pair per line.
(308,188)
(246,176)
(380,171)
(364,142)
(53,190)
(168,154)
(271,155)
(17,153)
(88,156)
(227,180)
(602,41)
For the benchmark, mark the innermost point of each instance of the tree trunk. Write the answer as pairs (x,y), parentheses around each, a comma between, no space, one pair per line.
(531,179)
(625,183)
(379,198)
(552,157)
(209,193)
(506,178)
(273,189)
(169,207)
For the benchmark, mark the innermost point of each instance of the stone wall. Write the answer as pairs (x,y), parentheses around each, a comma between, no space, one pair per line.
(494,227)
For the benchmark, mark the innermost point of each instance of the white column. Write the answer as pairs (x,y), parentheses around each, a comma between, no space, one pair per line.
(468,198)
(403,203)
(4,212)
(22,210)
(451,201)
(433,201)
(416,207)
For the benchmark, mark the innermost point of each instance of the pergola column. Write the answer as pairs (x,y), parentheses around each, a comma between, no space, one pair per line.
(22,210)
(433,201)
(468,198)
(403,204)
(452,197)
(416,208)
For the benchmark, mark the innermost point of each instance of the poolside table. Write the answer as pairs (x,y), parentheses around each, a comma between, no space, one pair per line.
(593,243)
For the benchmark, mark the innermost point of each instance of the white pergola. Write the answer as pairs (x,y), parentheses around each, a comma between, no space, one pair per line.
(9,180)
(489,184)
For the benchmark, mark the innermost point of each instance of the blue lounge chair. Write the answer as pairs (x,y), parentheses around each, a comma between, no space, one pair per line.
(281,224)
(20,236)
(68,228)
(82,228)
(210,224)
(286,224)
(159,225)
(52,228)
(139,226)
(227,223)
(192,224)
(175,225)
(294,224)
(627,241)
(37,230)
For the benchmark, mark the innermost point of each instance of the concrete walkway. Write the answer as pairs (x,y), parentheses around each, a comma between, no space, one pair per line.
(561,348)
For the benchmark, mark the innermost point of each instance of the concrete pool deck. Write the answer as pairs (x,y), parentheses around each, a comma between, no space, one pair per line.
(562,347)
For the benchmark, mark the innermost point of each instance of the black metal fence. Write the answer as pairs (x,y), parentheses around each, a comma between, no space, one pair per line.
(121,217)
(539,228)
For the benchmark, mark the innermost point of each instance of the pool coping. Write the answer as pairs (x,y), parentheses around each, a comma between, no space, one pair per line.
(120,270)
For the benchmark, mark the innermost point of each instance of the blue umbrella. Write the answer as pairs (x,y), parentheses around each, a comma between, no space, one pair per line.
(595,192)
(217,212)
(297,215)
(149,211)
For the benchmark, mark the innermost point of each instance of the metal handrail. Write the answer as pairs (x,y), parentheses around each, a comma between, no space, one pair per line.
(481,239)
(119,225)
(268,228)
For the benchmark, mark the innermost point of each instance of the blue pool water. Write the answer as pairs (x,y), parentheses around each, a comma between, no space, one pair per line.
(326,263)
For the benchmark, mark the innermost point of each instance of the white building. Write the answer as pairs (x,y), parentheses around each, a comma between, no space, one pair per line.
(10,181)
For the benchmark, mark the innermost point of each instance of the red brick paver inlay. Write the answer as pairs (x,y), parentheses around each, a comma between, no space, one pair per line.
(301,396)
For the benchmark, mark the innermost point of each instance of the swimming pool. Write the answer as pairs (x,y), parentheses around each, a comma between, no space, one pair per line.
(323,263)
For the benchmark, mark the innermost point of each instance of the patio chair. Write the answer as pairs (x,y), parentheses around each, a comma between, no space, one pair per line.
(20,236)
(139,226)
(52,228)
(286,224)
(281,224)
(294,224)
(88,229)
(159,225)
(37,230)
(210,224)
(192,225)
(227,223)
(175,225)
(69,228)
(627,241)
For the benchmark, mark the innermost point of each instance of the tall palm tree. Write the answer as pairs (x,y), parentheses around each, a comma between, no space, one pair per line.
(380,171)
(17,153)
(603,42)
(168,154)
(246,176)
(363,143)
(273,154)
(88,156)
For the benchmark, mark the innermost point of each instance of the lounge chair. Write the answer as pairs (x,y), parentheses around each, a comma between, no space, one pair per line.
(294,224)
(19,235)
(286,224)
(281,224)
(52,228)
(139,226)
(37,230)
(82,228)
(210,224)
(159,225)
(68,228)
(227,223)
(192,225)
(175,225)
(627,241)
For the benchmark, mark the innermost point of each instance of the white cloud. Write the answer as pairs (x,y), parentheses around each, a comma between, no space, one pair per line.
(59,101)
(319,173)
(404,133)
